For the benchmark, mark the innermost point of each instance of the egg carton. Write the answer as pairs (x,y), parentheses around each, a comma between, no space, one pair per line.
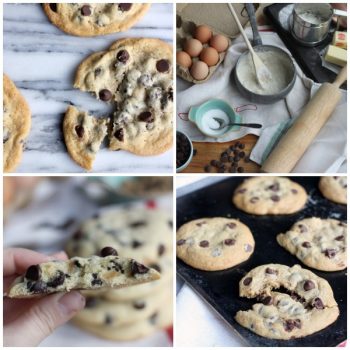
(185,30)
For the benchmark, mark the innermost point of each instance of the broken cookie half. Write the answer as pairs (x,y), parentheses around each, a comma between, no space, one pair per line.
(107,271)
(304,306)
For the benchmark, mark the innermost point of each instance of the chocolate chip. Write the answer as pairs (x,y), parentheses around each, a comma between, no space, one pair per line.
(208,169)
(139,305)
(302,228)
(123,56)
(297,323)
(240,169)
(242,190)
(96,280)
(306,244)
(97,71)
(254,199)
(136,224)
(204,244)
(53,7)
(105,95)
(77,263)
(241,146)
(274,187)
(162,66)
(275,198)
(247,281)
(107,251)
(248,248)
(57,281)
(236,158)
(266,300)
(231,225)
(33,273)
(199,224)
(308,285)
(241,154)
(124,7)
(86,10)
(224,159)
(146,117)
(330,253)
(37,287)
(181,242)
(293,190)
(318,304)
(340,238)
(91,302)
(135,244)
(79,130)
(271,271)
(229,241)
(119,135)
(161,249)
(137,268)
(289,325)
(108,319)
(214,163)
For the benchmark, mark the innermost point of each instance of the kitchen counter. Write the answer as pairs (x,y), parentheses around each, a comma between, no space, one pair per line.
(42,60)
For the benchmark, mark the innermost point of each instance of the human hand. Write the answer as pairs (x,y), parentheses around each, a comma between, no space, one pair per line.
(29,321)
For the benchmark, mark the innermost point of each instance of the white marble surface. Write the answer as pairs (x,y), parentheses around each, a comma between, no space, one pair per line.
(42,60)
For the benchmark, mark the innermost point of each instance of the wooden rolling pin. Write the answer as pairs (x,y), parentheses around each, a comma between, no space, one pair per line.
(299,136)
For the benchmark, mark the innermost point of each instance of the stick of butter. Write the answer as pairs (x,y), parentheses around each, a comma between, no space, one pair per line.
(340,40)
(336,55)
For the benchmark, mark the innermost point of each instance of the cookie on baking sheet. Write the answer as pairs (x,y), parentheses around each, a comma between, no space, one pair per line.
(214,244)
(308,307)
(107,271)
(269,195)
(318,243)
(16,124)
(160,319)
(83,135)
(94,19)
(334,188)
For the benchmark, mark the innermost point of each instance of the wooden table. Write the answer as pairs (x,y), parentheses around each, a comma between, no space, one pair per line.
(207,151)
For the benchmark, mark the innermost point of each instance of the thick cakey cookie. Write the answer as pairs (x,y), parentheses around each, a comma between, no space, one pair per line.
(83,135)
(214,244)
(334,188)
(161,319)
(145,234)
(16,127)
(318,243)
(269,195)
(94,19)
(101,312)
(81,273)
(306,307)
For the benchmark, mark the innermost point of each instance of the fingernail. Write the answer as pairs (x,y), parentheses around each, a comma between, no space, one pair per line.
(71,302)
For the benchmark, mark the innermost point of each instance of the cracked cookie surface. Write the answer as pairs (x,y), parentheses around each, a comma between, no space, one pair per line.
(318,243)
(94,19)
(272,195)
(81,273)
(307,307)
(213,244)
(334,188)
(16,124)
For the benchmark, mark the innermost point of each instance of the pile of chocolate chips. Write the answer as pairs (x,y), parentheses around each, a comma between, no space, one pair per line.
(183,149)
(229,160)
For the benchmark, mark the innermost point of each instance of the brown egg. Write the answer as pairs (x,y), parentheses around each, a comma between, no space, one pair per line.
(193,47)
(183,59)
(199,70)
(203,33)
(219,42)
(209,56)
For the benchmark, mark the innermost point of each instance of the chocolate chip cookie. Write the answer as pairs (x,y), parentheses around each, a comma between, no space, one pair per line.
(318,243)
(94,19)
(94,272)
(334,188)
(83,136)
(306,306)
(213,244)
(269,195)
(135,75)
(16,124)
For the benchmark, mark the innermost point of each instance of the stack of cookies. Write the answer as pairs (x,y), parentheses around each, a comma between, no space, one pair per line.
(137,311)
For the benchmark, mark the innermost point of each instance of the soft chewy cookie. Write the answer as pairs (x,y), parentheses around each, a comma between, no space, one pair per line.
(318,243)
(308,307)
(136,76)
(269,195)
(81,273)
(214,244)
(94,19)
(16,127)
(334,188)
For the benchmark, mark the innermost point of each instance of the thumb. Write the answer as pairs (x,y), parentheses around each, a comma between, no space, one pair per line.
(42,319)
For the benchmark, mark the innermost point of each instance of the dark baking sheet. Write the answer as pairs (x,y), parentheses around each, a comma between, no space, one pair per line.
(308,58)
(220,289)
